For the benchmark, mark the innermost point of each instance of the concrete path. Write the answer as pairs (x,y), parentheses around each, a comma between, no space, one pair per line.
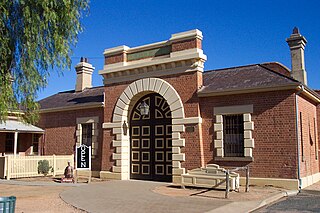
(134,196)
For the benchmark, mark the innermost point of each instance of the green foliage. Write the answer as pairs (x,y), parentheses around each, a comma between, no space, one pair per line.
(43,167)
(36,37)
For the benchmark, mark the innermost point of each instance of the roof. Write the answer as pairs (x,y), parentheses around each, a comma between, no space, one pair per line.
(90,97)
(250,77)
(18,126)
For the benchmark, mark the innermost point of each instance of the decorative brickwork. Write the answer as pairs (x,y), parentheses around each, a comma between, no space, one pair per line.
(115,58)
(184,45)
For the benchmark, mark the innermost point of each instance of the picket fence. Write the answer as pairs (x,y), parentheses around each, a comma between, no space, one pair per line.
(27,166)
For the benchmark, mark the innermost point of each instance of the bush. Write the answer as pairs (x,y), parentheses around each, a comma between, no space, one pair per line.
(43,167)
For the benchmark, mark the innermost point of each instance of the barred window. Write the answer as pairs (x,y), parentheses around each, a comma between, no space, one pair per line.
(233,130)
(87,134)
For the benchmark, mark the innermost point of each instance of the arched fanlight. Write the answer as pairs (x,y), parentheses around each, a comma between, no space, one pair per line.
(144,108)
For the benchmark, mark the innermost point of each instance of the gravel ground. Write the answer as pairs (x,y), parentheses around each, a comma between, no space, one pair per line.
(44,198)
(38,198)
(255,193)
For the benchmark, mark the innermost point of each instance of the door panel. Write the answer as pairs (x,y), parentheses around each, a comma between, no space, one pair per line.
(151,140)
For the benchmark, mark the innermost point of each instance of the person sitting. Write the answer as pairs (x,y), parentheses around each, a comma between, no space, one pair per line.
(68,173)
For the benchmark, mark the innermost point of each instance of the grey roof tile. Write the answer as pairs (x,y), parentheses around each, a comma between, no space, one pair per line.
(244,77)
(89,96)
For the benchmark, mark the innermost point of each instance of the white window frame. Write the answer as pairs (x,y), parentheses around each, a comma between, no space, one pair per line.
(95,132)
(246,111)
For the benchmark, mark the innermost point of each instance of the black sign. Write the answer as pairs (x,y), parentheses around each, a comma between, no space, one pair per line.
(83,157)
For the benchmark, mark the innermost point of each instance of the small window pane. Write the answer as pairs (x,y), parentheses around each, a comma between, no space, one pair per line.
(233,131)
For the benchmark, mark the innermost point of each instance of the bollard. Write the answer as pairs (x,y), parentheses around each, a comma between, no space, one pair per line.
(247,179)
(227,184)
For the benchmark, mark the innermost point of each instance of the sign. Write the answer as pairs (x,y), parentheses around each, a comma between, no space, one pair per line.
(149,53)
(83,157)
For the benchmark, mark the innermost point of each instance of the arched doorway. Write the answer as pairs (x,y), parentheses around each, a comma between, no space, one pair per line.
(151,140)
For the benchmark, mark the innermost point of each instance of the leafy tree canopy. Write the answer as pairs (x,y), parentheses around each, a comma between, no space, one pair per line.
(36,36)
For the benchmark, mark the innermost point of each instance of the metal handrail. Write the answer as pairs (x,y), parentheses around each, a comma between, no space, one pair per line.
(228,176)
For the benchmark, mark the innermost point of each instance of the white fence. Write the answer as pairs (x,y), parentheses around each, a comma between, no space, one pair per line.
(27,166)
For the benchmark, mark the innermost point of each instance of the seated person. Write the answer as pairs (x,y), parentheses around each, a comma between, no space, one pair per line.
(68,172)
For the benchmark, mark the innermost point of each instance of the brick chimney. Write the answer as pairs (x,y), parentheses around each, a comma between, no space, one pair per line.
(84,75)
(297,43)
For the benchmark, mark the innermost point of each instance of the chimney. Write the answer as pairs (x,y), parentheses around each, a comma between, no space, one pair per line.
(297,44)
(84,75)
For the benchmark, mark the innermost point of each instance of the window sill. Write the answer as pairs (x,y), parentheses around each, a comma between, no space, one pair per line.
(234,159)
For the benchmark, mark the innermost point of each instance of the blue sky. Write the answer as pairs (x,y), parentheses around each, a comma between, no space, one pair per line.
(235,32)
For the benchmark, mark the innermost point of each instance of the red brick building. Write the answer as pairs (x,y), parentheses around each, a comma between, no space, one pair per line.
(261,115)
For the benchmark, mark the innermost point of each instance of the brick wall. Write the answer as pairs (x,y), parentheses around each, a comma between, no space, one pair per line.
(186,85)
(318,126)
(188,44)
(115,59)
(274,132)
(60,132)
(308,148)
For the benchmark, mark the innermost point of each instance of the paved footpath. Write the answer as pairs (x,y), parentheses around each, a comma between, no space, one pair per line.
(306,201)
(137,196)
(134,196)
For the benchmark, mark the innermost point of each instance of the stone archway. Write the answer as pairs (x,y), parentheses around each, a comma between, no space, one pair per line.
(119,124)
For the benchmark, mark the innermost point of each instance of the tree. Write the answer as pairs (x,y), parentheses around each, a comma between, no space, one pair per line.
(36,37)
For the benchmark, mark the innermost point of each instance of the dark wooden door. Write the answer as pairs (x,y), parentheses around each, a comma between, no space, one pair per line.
(151,140)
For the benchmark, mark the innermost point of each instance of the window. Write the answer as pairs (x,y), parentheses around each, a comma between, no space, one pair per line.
(9,142)
(87,134)
(35,143)
(233,135)
(233,129)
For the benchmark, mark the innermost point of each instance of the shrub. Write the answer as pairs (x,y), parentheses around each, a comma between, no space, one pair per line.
(43,167)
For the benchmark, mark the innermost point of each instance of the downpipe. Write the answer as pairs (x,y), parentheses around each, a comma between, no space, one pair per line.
(298,135)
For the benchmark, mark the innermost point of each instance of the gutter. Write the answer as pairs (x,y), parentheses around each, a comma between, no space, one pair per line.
(66,108)
(301,89)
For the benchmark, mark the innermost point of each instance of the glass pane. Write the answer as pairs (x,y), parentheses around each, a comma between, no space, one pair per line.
(233,135)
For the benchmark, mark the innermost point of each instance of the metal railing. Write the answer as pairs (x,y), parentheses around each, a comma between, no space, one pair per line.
(246,168)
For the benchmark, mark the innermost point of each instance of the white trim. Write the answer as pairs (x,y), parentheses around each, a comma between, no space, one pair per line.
(115,50)
(95,132)
(67,108)
(248,126)
(188,34)
(190,120)
(309,180)
(237,109)
(15,146)
(283,183)
(175,56)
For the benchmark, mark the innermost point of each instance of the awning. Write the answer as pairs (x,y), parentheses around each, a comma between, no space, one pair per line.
(18,126)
